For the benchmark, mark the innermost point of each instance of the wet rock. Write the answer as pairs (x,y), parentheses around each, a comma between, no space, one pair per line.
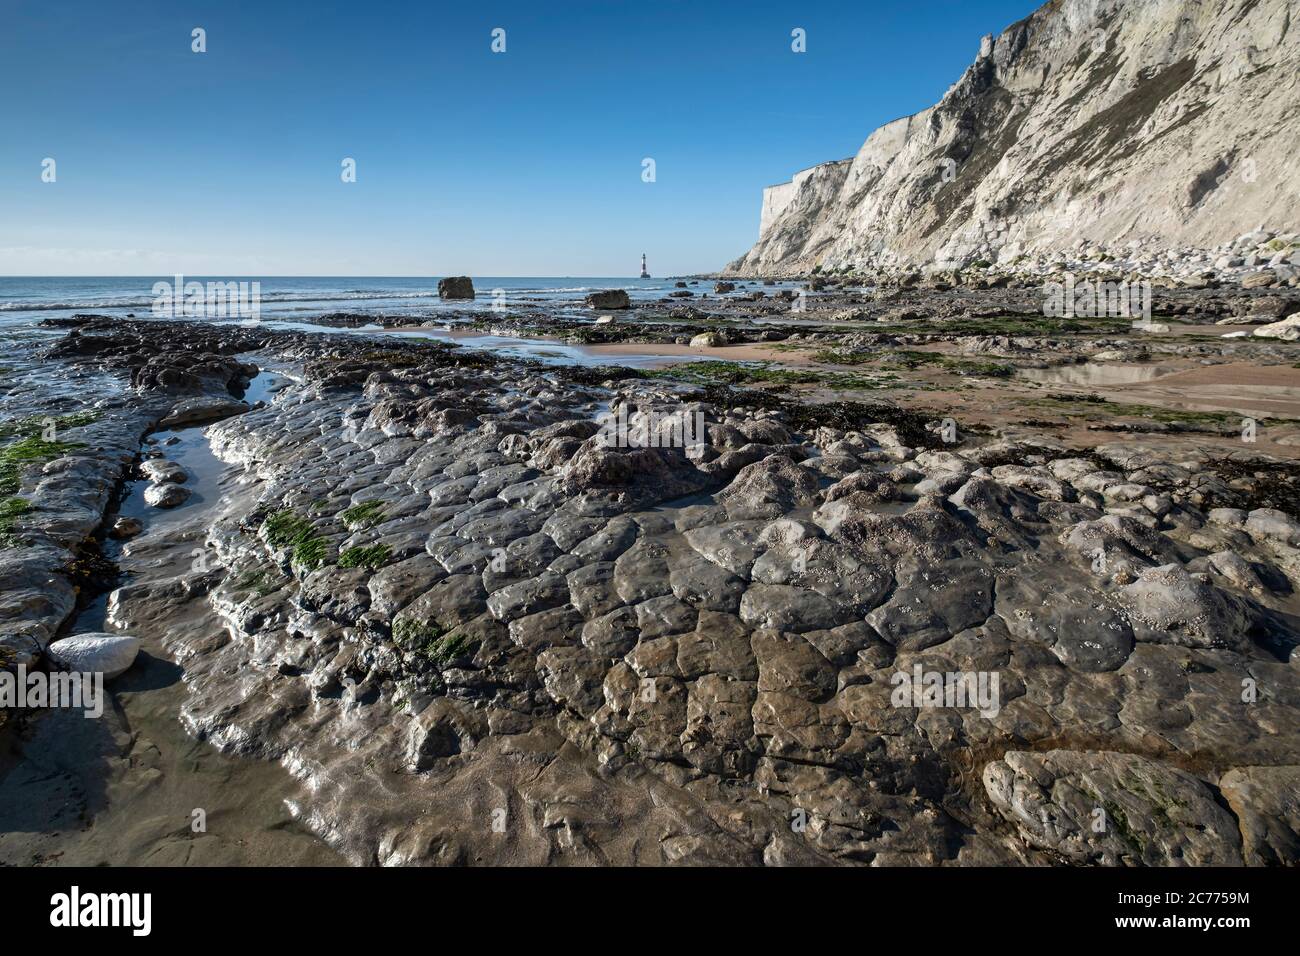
(787,608)
(1167,603)
(768,489)
(609,299)
(706,585)
(456,287)
(124,528)
(1118,543)
(1266,804)
(160,470)
(393,588)
(932,604)
(201,410)
(719,732)
(167,495)
(1146,813)
(737,644)
(1079,627)
(443,729)
(529,596)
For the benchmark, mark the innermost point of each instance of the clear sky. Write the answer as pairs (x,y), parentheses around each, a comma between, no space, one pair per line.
(527,162)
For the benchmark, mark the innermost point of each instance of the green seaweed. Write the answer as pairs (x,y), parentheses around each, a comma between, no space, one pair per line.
(11,509)
(410,633)
(1094,406)
(429,640)
(373,557)
(260,582)
(34,426)
(32,450)
(365,515)
(735,373)
(287,529)
(311,554)
(443,651)
(910,359)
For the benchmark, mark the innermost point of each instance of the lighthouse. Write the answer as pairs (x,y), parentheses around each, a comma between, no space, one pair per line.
(644,273)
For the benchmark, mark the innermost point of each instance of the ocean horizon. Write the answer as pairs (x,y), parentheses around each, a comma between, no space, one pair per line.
(25,300)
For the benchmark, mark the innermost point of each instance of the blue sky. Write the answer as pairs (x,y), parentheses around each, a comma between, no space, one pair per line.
(522,163)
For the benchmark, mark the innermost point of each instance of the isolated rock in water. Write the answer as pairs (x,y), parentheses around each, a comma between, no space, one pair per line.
(202,409)
(124,528)
(159,470)
(721,287)
(99,653)
(609,299)
(1112,808)
(167,495)
(708,340)
(456,287)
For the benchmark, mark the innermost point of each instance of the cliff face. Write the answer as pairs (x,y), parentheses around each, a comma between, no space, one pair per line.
(1103,121)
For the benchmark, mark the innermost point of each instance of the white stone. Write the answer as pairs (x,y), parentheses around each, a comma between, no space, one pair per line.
(1288,329)
(707,340)
(109,654)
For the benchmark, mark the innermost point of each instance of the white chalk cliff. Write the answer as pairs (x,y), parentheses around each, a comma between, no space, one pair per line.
(1106,121)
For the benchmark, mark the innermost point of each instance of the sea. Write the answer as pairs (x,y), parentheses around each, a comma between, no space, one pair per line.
(293,302)
(25,301)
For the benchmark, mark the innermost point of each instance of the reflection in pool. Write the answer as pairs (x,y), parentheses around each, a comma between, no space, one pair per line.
(1096,373)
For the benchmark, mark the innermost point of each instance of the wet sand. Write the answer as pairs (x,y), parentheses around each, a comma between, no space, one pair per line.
(132,787)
